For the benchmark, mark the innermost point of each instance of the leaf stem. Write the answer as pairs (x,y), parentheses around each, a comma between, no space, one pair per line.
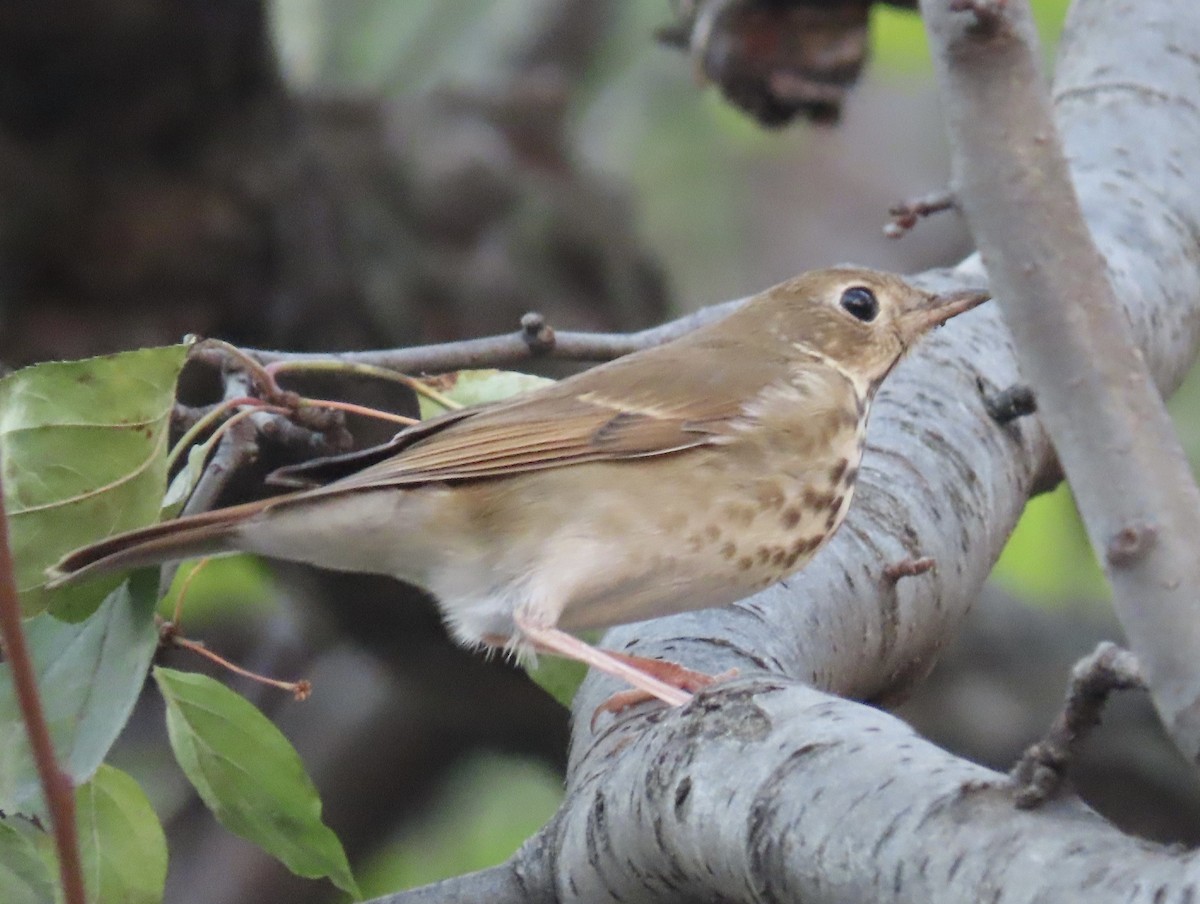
(203,423)
(359,409)
(299,689)
(366,370)
(56,784)
(177,616)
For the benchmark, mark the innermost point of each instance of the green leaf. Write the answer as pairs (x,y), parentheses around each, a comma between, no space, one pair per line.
(121,843)
(83,455)
(89,675)
(474,387)
(250,776)
(182,485)
(24,876)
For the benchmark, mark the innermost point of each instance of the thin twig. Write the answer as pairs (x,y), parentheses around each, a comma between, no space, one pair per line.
(908,568)
(235,449)
(177,615)
(906,214)
(220,351)
(1008,404)
(301,689)
(364,370)
(535,339)
(207,420)
(363,410)
(512,348)
(1039,774)
(56,784)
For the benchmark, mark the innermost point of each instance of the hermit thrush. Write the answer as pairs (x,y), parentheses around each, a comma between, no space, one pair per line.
(681,477)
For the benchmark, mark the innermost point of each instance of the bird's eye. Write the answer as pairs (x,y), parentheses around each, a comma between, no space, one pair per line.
(860,302)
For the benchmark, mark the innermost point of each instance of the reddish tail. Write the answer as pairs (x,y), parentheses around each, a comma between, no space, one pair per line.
(205,534)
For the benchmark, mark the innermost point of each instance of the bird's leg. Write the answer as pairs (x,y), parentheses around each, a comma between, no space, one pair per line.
(670,672)
(629,669)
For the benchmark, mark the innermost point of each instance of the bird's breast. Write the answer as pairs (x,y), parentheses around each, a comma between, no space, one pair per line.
(707,530)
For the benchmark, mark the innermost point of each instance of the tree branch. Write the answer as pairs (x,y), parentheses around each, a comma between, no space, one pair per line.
(523,345)
(940,478)
(56,784)
(719,801)
(1042,770)
(1094,390)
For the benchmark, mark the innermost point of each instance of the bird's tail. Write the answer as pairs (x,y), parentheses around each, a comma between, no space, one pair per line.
(204,534)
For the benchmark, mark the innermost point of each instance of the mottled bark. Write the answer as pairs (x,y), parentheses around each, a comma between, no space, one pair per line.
(1095,394)
(768,790)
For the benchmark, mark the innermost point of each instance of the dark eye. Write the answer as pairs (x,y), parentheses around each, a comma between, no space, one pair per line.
(860,302)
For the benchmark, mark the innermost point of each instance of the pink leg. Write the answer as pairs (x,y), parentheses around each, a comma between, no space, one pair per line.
(560,643)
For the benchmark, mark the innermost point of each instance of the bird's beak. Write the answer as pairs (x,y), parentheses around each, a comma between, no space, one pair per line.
(937,309)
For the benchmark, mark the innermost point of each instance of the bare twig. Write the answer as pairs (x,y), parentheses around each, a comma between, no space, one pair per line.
(234,451)
(1095,393)
(301,690)
(1040,773)
(56,784)
(1010,403)
(249,371)
(908,568)
(513,348)
(184,416)
(906,214)
(308,423)
(379,373)
(538,334)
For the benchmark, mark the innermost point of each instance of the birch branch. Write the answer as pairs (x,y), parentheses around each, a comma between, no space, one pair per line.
(793,795)
(942,479)
(1094,390)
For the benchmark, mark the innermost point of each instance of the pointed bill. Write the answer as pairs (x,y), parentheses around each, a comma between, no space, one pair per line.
(937,309)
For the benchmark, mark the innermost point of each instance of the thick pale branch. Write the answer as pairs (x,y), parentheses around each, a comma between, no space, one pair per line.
(941,478)
(791,795)
(770,791)
(719,801)
(1094,390)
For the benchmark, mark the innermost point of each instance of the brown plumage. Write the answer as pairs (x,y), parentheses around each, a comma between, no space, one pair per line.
(680,477)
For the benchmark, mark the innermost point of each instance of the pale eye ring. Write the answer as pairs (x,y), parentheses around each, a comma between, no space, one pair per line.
(860,303)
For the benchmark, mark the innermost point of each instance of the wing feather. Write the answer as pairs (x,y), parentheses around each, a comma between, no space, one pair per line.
(612,412)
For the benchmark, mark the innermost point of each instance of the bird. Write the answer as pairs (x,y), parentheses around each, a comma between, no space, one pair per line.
(684,476)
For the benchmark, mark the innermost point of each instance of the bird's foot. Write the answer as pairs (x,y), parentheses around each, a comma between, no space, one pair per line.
(652,679)
(686,680)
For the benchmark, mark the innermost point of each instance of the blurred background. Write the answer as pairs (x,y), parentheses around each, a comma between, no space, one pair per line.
(330,174)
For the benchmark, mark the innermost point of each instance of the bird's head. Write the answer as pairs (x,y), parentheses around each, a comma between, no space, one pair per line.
(861,321)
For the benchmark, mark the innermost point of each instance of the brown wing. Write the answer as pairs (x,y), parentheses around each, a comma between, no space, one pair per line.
(661,401)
